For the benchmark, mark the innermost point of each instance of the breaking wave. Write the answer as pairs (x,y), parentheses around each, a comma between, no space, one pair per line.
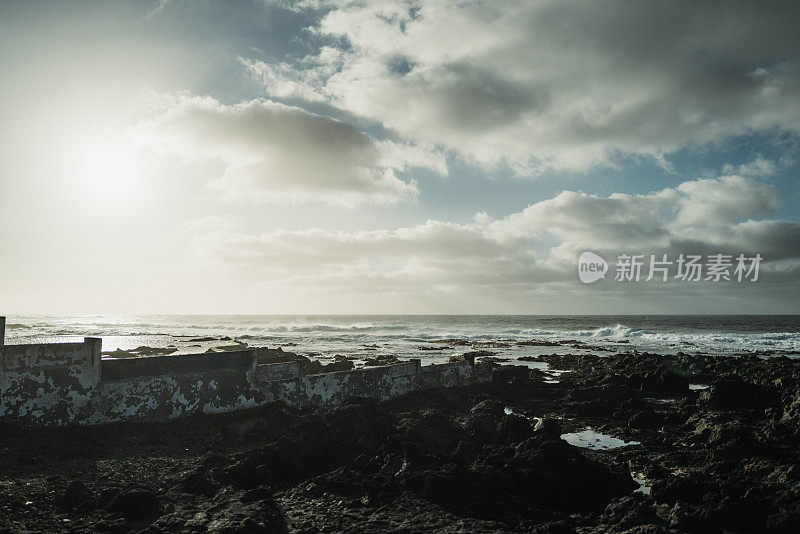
(341,333)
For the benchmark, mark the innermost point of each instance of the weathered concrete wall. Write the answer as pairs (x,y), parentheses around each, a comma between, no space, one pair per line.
(222,390)
(67,383)
(382,382)
(176,395)
(50,384)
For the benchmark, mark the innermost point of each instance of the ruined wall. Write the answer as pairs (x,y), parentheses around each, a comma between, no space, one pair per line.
(53,384)
(171,395)
(383,382)
(64,383)
(174,395)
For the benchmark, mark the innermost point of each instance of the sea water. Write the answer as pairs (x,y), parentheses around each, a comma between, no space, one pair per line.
(430,338)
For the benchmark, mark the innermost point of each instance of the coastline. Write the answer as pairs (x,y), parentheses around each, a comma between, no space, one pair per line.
(433,339)
(718,458)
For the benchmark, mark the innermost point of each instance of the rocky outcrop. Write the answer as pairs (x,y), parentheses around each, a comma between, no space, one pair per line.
(484,458)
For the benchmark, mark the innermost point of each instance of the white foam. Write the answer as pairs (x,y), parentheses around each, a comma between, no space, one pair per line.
(342,334)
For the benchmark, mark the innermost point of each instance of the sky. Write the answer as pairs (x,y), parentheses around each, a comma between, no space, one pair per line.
(396,157)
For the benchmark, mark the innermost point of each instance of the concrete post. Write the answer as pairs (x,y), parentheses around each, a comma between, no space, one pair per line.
(92,410)
(95,349)
(251,375)
(2,342)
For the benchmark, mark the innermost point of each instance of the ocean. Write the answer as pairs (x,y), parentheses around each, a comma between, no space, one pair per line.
(430,338)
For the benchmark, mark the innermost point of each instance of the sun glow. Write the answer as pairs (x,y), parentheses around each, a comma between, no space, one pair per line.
(106,170)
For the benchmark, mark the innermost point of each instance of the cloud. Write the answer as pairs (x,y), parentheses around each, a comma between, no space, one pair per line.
(277,152)
(712,203)
(534,250)
(551,84)
(760,166)
(162,4)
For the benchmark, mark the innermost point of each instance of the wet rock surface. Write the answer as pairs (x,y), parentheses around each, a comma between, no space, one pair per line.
(488,458)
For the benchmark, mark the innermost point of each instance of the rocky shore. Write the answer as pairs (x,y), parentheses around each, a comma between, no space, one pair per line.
(719,456)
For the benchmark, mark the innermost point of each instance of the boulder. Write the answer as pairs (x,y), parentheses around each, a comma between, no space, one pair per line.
(136,503)
(198,483)
(75,494)
(513,428)
(549,427)
(733,393)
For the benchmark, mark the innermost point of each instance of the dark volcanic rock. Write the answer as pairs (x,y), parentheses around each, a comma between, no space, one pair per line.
(645,419)
(513,428)
(442,460)
(432,431)
(505,373)
(267,355)
(481,354)
(136,503)
(663,382)
(74,495)
(791,411)
(340,363)
(381,359)
(733,393)
(484,418)
(548,427)
(199,483)
(689,488)
(632,512)
(488,408)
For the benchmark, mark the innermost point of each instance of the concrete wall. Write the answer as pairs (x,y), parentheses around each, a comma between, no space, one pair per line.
(176,395)
(67,383)
(51,384)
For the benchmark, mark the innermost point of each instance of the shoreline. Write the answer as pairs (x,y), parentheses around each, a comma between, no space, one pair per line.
(415,336)
(483,458)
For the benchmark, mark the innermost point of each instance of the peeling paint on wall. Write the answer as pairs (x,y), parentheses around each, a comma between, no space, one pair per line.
(62,384)
(49,384)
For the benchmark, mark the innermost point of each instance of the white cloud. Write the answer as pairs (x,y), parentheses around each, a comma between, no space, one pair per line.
(158,9)
(760,166)
(720,202)
(532,250)
(277,152)
(550,83)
